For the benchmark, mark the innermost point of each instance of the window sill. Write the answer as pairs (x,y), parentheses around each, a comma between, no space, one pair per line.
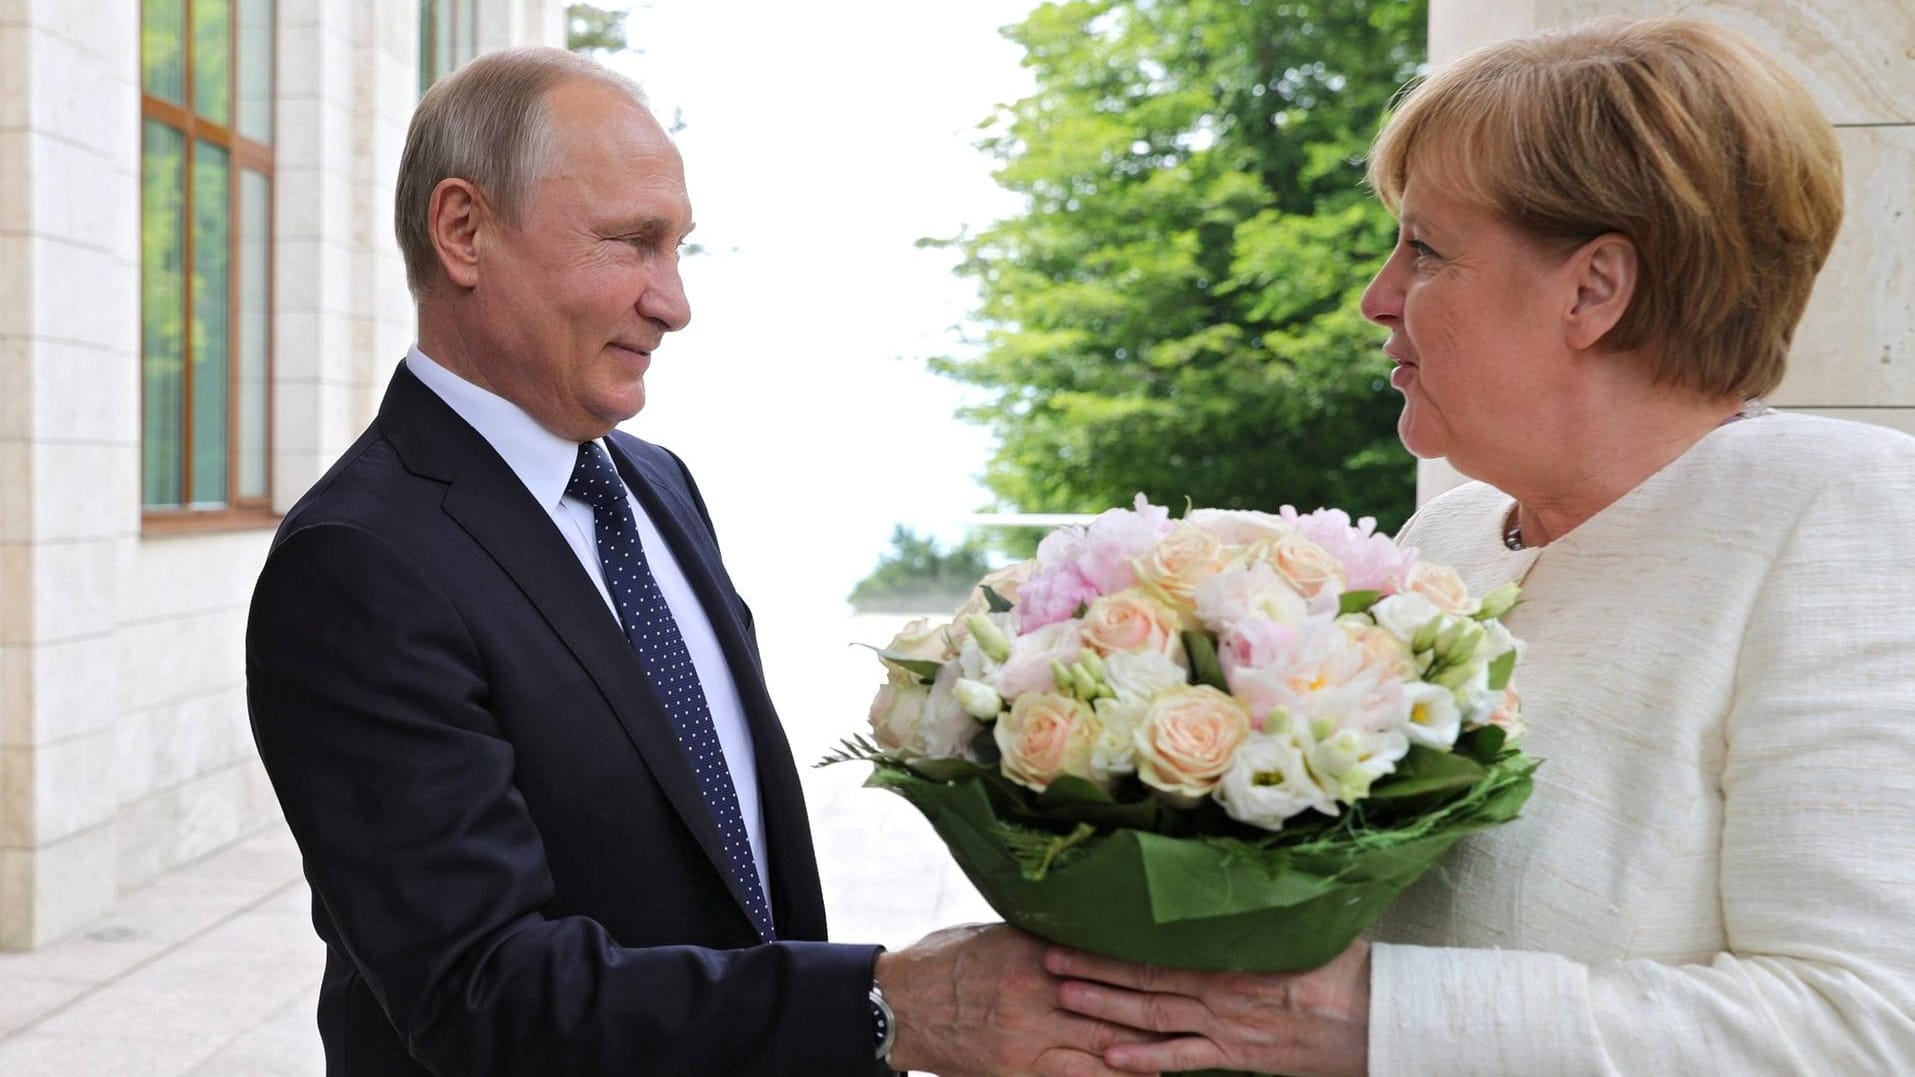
(160,523)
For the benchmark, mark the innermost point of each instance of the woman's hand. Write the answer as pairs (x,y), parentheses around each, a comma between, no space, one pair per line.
(1315,1023)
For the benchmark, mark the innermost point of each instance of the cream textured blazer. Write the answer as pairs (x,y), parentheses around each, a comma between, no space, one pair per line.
(1716,873)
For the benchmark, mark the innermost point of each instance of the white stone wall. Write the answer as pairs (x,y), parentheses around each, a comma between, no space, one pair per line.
(124,745)
(1854,353)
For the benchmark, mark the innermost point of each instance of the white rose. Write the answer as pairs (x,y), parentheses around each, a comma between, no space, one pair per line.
(923,640)
(1269,782)
(1405,615)
(1238,527)
(1143,675)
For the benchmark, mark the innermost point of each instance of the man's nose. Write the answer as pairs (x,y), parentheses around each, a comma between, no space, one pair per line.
(664,300)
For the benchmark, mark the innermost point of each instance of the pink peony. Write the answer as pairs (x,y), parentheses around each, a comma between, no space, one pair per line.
(1371,562)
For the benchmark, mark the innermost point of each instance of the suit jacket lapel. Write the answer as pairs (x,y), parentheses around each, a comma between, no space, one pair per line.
(791,861)
(493,506)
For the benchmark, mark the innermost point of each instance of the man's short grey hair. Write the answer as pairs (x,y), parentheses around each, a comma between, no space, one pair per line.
(485,123)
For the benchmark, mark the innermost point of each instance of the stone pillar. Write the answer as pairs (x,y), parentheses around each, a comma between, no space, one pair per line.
(69,447)
(1854,354)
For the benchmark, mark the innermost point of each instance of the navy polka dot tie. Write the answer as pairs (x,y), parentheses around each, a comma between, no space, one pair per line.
(654,635)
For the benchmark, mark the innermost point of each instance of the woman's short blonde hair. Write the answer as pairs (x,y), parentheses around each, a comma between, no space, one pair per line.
(485,123)
(1684,136)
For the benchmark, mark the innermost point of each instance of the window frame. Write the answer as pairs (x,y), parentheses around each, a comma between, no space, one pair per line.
(243,154)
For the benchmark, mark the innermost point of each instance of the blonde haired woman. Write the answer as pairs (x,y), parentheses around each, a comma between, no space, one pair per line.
(1608,236)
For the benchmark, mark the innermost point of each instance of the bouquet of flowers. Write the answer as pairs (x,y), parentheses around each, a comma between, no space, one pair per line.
(1224,742)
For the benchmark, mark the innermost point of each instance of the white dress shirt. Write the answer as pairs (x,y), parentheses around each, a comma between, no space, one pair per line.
(543,461)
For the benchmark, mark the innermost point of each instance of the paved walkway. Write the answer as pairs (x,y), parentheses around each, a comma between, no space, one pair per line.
(213,969)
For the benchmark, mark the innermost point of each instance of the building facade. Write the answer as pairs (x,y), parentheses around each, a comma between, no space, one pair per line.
(200,301)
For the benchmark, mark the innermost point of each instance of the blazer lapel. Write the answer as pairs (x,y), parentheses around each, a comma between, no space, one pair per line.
(791,861)
(490,504)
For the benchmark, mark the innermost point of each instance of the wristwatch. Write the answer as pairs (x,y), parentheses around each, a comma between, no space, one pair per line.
(884,1026)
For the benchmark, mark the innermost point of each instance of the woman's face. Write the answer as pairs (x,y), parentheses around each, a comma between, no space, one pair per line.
(1475,310)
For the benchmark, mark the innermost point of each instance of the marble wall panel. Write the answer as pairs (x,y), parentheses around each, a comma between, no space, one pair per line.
(1856,56)
(1856,343)
(72,690)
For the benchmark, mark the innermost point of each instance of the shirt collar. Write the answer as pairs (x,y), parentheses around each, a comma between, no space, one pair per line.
(542,460)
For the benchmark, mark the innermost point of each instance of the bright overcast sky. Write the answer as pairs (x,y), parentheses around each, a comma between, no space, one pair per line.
(821,141)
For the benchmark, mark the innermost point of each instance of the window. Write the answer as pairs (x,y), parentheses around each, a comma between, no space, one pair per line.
(448,37)
(206,193)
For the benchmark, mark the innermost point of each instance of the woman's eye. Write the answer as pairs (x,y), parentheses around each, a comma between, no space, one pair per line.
(1422,249)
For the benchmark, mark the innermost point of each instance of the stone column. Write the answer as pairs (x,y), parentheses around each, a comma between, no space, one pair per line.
(1854,354)
(69,447)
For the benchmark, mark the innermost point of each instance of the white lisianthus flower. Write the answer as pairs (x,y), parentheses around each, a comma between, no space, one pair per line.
(1498,641)
(1114,752)
(1404,615)
(1349,760)
(978,699)
(1269,782)
(1434,719)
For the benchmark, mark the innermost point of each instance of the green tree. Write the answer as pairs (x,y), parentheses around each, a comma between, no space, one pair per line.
(915,575)
(1175,311)
(590,29)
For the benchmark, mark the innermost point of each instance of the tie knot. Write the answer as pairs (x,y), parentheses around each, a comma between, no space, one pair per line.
(594,480)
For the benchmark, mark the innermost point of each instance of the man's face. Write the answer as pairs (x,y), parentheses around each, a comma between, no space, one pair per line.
(573,301)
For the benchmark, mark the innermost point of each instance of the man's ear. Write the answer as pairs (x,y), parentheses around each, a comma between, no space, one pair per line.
(453,218)
(1605,272)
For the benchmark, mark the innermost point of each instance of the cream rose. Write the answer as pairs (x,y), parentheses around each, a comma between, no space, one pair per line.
(1443,587)
(1187,740)
(1306,566)
(1131,621)
(1045,736)
(1383,653)
(1238,527)
(1005,581)
(917,721)
(923,640)
(1179,562)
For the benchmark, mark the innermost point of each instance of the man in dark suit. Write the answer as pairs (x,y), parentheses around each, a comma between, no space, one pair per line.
(510,701)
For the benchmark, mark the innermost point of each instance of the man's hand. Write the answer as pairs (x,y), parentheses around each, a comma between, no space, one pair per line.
(977,1000)
(1315,1022)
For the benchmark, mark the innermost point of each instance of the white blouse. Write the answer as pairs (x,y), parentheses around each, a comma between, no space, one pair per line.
(1716,872)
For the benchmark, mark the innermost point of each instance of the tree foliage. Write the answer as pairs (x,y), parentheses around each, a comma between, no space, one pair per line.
(1175,311)
(915,575)
(593,29)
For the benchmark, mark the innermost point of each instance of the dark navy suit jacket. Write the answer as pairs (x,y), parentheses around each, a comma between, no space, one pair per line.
(512,868)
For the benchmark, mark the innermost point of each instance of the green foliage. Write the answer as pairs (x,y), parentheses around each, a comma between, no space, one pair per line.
(1176,310)
(916,576)
(589,29)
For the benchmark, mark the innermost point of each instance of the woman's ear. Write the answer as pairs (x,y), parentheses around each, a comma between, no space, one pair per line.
(453,217)
(1604,271)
